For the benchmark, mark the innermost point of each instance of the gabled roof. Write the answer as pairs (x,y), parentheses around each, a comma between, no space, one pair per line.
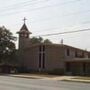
(24,29)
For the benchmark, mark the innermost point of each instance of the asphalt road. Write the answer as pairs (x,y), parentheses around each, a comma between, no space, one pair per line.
(13,83)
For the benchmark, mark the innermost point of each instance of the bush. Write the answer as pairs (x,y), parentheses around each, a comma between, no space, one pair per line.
(23,70)
(57,72)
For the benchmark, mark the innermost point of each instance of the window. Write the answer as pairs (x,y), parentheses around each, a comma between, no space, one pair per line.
(40,49)
(39,60)
(68,52)
(42,56)
(84,67)
(43,48)
(68,67)
(26,35)
(43,60)
(76,55)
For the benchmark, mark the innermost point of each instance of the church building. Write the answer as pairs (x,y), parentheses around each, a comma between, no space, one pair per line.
(60,58)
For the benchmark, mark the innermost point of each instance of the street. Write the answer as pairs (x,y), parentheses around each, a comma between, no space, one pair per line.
(13,83)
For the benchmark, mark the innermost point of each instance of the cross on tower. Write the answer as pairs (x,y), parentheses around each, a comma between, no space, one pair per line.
(24,19)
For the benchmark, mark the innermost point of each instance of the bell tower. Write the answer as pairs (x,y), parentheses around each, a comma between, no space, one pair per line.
(23,36)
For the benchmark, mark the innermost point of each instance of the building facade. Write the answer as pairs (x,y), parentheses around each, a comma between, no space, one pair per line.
(51,57)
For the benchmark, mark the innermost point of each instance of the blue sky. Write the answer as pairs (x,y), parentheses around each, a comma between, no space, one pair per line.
(49,16)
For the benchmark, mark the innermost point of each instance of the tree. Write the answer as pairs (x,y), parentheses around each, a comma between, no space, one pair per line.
(35,40)
(7,46)
(47,41)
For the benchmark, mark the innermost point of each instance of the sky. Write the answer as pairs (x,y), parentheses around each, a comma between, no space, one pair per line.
(47,17)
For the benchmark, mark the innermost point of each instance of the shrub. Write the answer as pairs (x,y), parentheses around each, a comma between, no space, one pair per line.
(57,71)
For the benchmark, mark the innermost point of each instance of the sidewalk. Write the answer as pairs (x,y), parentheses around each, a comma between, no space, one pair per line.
(53,77)
(36,76)
(41,76)
(30,76)
(78,79)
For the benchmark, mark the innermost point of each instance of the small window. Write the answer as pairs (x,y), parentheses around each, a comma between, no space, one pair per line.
(40,48)
(68,67)
(26,35)
(76,54)
(39,60)
(43,48)
(84,67)
(43,60)
(68,52)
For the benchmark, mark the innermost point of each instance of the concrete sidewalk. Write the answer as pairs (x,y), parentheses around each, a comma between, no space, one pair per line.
(50,77)
(75,79)
(40,76)
(30,76)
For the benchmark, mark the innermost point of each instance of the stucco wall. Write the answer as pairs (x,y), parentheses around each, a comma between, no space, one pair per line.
(53,57)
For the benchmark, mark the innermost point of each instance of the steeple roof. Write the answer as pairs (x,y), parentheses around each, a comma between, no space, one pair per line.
(24,29)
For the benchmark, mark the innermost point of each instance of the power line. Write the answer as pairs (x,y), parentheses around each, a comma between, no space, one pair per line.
(16,8)
(69,14)
(74,13)
(21,5)
(52,34)
(38,8)
(36,2)
(68,26)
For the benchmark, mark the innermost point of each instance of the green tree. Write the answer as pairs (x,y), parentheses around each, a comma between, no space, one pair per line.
(7,46)
(35,40)
(47,41)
